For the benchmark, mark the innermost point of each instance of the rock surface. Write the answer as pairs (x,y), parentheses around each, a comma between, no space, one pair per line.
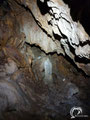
(63,35)
(35,82)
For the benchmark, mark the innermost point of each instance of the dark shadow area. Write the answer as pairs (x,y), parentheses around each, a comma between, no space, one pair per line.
(43,7)
(4,4)
(71,62)
(82,60)
(56,36)
(80,10)
(2,1)
(87,42)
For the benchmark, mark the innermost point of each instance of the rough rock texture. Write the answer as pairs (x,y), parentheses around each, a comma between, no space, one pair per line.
(63,35)
(34,83)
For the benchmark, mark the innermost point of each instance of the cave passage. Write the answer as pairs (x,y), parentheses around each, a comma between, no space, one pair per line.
(44,59)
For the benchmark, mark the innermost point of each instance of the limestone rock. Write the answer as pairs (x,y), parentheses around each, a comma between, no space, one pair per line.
(63,35)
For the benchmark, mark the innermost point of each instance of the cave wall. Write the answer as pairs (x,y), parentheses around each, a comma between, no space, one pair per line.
(36,81)
(65,36)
